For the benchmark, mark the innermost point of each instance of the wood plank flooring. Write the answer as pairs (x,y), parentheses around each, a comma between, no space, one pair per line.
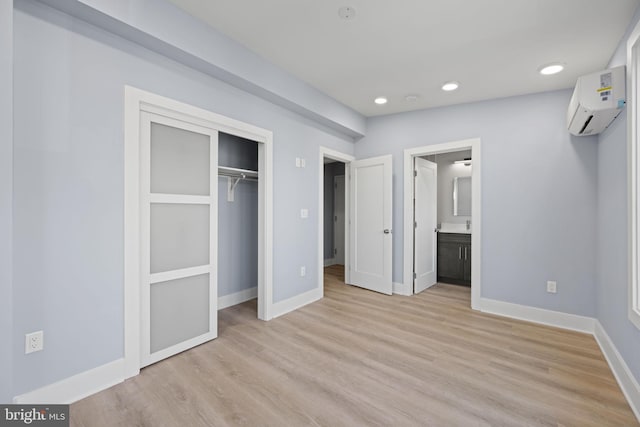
(357,358)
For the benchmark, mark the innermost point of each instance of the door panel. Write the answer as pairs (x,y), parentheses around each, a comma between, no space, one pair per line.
(180,161)
(179,311)
(178,217)
(179,236)
(370,218)
(339,220)
(449,259)
(426,220)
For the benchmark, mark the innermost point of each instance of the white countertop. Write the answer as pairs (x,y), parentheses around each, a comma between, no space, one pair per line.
(448,227)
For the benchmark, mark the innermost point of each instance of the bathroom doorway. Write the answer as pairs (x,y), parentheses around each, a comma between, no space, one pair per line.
(442,216)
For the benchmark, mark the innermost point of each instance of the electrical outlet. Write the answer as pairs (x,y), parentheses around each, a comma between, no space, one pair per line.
(303,271)
(33,342)
(551,287)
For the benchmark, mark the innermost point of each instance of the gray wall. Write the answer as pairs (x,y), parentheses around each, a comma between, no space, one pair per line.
(613,232)
(447,171)
(237,220)
(6,197)
(162,27)
(68,184)
(331,170)
(538,197)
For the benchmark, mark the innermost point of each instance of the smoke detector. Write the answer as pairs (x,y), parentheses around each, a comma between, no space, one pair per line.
(347,13)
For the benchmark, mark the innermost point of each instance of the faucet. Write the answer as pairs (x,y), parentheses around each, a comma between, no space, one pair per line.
(468,224)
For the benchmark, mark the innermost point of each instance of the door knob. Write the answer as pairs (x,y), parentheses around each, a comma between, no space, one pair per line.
(387,231)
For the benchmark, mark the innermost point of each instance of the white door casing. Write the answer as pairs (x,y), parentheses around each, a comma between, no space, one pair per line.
(370,236)
(338,219)
(328,153)
(476,210)
(137,102)
(425,222)
(178,218)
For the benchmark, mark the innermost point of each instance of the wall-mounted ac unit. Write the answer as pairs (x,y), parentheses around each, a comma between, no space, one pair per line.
(597,100)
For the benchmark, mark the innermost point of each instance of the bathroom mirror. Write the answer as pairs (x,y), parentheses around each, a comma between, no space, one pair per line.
(462,196)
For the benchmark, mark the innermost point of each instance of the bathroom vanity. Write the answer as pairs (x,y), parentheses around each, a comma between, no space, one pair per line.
(454,258)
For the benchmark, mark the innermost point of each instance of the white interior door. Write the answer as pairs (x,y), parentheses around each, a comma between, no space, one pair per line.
(178,178)
(425,215)
(370,242)
(338,219)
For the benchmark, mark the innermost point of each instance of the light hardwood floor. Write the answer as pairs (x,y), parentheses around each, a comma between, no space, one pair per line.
(357,358)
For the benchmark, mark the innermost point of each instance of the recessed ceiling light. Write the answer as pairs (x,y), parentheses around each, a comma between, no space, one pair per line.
(449,86)
(381,100)
(411,98)
(347,13)
(549,69)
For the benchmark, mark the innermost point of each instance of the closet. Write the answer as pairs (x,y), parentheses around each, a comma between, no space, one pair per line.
(237,220)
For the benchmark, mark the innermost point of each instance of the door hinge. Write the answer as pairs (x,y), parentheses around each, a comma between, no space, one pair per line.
(415,276)
(415,173)
(335,251)
(336,185)
(415,225)
(335,218)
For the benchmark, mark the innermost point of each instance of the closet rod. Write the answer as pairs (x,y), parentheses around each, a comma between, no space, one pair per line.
(237,173)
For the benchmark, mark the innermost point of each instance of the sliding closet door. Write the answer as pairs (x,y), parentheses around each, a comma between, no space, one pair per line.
(178,176)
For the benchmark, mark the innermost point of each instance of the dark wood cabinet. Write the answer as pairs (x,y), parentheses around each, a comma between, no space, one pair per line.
(454,258)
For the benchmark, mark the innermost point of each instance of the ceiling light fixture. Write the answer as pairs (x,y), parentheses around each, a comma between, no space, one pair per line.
(466,162)
(381,100)
(549,69)
(449,86)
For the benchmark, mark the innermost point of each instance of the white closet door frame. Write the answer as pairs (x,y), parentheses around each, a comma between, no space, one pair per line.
(136,102)
(147,199)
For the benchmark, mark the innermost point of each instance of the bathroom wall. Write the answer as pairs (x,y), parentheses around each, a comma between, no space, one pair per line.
(447,171)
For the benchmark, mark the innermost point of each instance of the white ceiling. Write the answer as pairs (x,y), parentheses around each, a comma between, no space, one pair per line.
(395,48)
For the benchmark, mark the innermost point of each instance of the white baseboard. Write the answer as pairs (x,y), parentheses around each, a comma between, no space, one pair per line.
(294,303)
(402,289)
(77,387)
(621,371)
(330,261)
(237,297)
(538,315)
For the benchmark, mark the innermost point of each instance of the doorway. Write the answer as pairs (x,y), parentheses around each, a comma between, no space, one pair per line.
(334,212)
(145,193)
(426,212)
(333,226)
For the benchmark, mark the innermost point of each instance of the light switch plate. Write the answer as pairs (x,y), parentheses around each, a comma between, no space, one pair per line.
(304,213)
